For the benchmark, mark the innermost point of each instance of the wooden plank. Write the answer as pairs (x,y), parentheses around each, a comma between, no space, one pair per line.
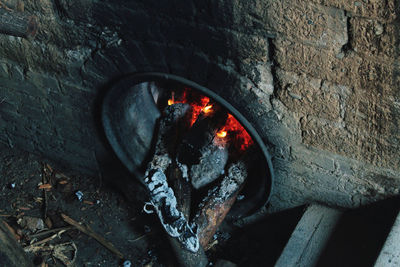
(309,237)
(390,253)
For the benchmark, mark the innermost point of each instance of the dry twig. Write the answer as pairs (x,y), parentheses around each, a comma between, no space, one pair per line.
(34,246)
(92,234)
(50,231)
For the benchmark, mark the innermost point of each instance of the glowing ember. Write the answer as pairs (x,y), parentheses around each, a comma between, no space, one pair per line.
(198,107)
(207,109)
(201,104)
(222,134)
(232,126)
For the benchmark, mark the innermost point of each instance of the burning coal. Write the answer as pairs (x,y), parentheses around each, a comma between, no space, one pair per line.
(202,105)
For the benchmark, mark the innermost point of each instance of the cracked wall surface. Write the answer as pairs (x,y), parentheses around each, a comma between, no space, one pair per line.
(318,79)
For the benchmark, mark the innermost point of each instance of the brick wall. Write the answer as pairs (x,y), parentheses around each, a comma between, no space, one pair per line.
(318,78)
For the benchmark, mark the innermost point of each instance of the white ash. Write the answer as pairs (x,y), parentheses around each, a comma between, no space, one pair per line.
(165,204)
(184,170)
(236,176)
(237,173)
(172,114)
(159,161)
(211,166)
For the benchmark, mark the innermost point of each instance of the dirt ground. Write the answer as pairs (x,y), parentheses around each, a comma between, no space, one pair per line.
(33,189)
(36,193)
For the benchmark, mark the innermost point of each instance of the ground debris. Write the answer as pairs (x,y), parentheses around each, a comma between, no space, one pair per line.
(32,224)
(92,234)
(44,233)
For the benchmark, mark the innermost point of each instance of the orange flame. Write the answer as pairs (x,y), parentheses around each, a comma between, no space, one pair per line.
(207,109)
(232,126)
(240,137)
(222,134)
(199,108)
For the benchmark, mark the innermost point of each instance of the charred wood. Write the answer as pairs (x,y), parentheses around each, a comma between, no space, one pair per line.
(182,189)
(211,165)
(166,138)
(162,197)
(217,204)
(165,204)
(199,136)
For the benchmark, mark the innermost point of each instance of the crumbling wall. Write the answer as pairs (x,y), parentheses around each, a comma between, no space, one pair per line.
(318,78)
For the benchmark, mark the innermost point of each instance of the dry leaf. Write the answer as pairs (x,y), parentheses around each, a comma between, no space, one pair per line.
(45,186)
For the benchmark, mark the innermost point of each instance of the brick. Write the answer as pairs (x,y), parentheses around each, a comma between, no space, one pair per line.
(298,20)
(373,115)
(358,145)
(352,70)
(380,9)
(313,24)
(22,88)
(42,82)
(10,116)
(375,39)
(309,96)
(4,70)
(16,73)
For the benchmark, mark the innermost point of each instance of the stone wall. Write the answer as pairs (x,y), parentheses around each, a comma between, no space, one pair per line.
(318,78)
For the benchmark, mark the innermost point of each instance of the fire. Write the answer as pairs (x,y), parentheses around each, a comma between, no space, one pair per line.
(222,134)
(207,109)
(201,104)
(232,126)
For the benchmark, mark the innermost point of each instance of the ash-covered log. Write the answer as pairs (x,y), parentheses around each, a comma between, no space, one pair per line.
(165,204)
(217,204)
(214,157)
(166,136)
(182,189)
(162,197)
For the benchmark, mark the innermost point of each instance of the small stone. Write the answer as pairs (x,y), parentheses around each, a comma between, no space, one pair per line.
(79,195)
(127,263)
(31,223)
(12,185)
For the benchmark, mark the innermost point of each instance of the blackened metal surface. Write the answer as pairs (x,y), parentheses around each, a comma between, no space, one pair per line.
(129,117)
(132,147)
